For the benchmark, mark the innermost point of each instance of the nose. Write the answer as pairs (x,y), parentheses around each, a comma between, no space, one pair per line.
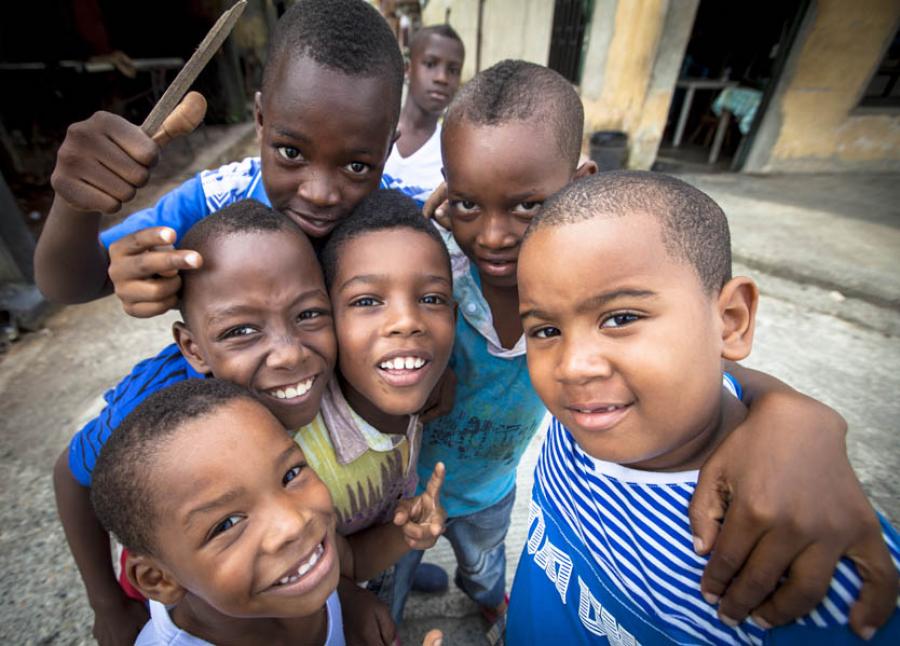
(404,319)
(441,75)
(286,352)
(495,233)
(319,189)
(285,524)
(582,360)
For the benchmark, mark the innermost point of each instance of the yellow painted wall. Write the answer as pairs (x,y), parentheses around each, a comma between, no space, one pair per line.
(820,126)
(510,29)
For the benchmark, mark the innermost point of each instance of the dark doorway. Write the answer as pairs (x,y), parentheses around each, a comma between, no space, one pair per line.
(570,20)
(734,57)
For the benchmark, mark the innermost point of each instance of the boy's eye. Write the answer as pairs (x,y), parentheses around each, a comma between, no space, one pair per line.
(308,315)
(546,332)
(289,152)
(364,301)
(239,331)
(529,208)
(358,168)
(619,320)
(434,299)
(225,525)
(463,206)
(292,473)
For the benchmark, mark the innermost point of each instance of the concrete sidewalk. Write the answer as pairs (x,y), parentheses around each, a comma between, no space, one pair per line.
(825,251)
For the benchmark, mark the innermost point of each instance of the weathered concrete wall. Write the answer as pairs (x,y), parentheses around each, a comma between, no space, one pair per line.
(510,29)
(812,123)
(632,63)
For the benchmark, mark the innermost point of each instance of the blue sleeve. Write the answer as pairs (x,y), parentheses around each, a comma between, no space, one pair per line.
(180,209)
(146,378)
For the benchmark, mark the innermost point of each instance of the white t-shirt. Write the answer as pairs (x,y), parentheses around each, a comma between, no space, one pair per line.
(162,631)
(420,173)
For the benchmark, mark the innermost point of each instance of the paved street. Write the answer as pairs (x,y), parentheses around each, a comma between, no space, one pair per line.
(824,250)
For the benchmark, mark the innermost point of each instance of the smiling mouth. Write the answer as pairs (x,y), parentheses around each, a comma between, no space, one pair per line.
(406,370)
(599,418)
(497,267)
(303,567)
(292,391)
(315,222)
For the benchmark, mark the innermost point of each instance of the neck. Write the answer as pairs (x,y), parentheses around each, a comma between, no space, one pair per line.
(504,304)
(384,422)
(413,119)
(198,618)
(692,453)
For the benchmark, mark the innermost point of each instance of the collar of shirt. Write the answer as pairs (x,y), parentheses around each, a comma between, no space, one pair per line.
(472,304)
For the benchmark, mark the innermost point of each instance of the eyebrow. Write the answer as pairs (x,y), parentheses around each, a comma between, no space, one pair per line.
(239,309)
(595,301)
(369,279)
(212,505)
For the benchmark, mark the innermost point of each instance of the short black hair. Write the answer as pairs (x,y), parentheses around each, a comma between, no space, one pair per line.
(383,210)
(122,489)
(241,217)
(514,90)
(443,30)
(348,36)
(694,228)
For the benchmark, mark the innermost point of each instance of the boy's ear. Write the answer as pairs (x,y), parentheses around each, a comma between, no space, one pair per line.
(737,310)
(257,114)
(184,339)
(152,579)
(589,167)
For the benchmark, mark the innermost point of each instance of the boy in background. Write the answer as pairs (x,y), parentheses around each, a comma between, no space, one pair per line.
(511,138)
(626,342)
(436,57)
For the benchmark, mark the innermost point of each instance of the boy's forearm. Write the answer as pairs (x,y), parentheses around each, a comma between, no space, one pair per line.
(762,390)
(70,264)
(87,539)
(375,549)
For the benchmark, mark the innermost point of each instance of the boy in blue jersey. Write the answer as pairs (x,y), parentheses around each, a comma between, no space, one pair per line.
(512,138)
(629,309)
(326,118)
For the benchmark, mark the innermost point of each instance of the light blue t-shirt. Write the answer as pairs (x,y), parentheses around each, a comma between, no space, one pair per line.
(609,559)
(495,413)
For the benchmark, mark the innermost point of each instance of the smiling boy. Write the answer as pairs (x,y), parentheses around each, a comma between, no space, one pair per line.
(325,118)
(512,137)
(626,342)
(231,536)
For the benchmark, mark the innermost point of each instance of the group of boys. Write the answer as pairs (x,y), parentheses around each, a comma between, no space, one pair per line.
(322,313)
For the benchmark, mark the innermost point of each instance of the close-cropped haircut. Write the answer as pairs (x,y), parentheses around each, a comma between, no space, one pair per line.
(514,90)
(348,36)
(241,217)
(694,228)
(445,31)
(383,210)
(122,491)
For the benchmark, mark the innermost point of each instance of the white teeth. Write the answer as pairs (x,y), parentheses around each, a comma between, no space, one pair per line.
(305,567)
(295,390)
(402,363)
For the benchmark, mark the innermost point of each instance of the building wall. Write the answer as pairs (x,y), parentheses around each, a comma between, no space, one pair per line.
(510,29)
(812,123)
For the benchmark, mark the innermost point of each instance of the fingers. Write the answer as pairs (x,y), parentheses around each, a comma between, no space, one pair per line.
(877,598)
(737,538)
(186,116)
(437,197)
(770,560)
(143,240)
(401,515)
(149,309)
(436,481)
(707,509)
(433,638)
(102,162)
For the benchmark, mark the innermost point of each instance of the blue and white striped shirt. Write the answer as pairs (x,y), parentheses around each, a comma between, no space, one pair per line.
(609,557)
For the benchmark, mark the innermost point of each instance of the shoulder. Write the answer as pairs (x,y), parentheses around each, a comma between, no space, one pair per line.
(230,182)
